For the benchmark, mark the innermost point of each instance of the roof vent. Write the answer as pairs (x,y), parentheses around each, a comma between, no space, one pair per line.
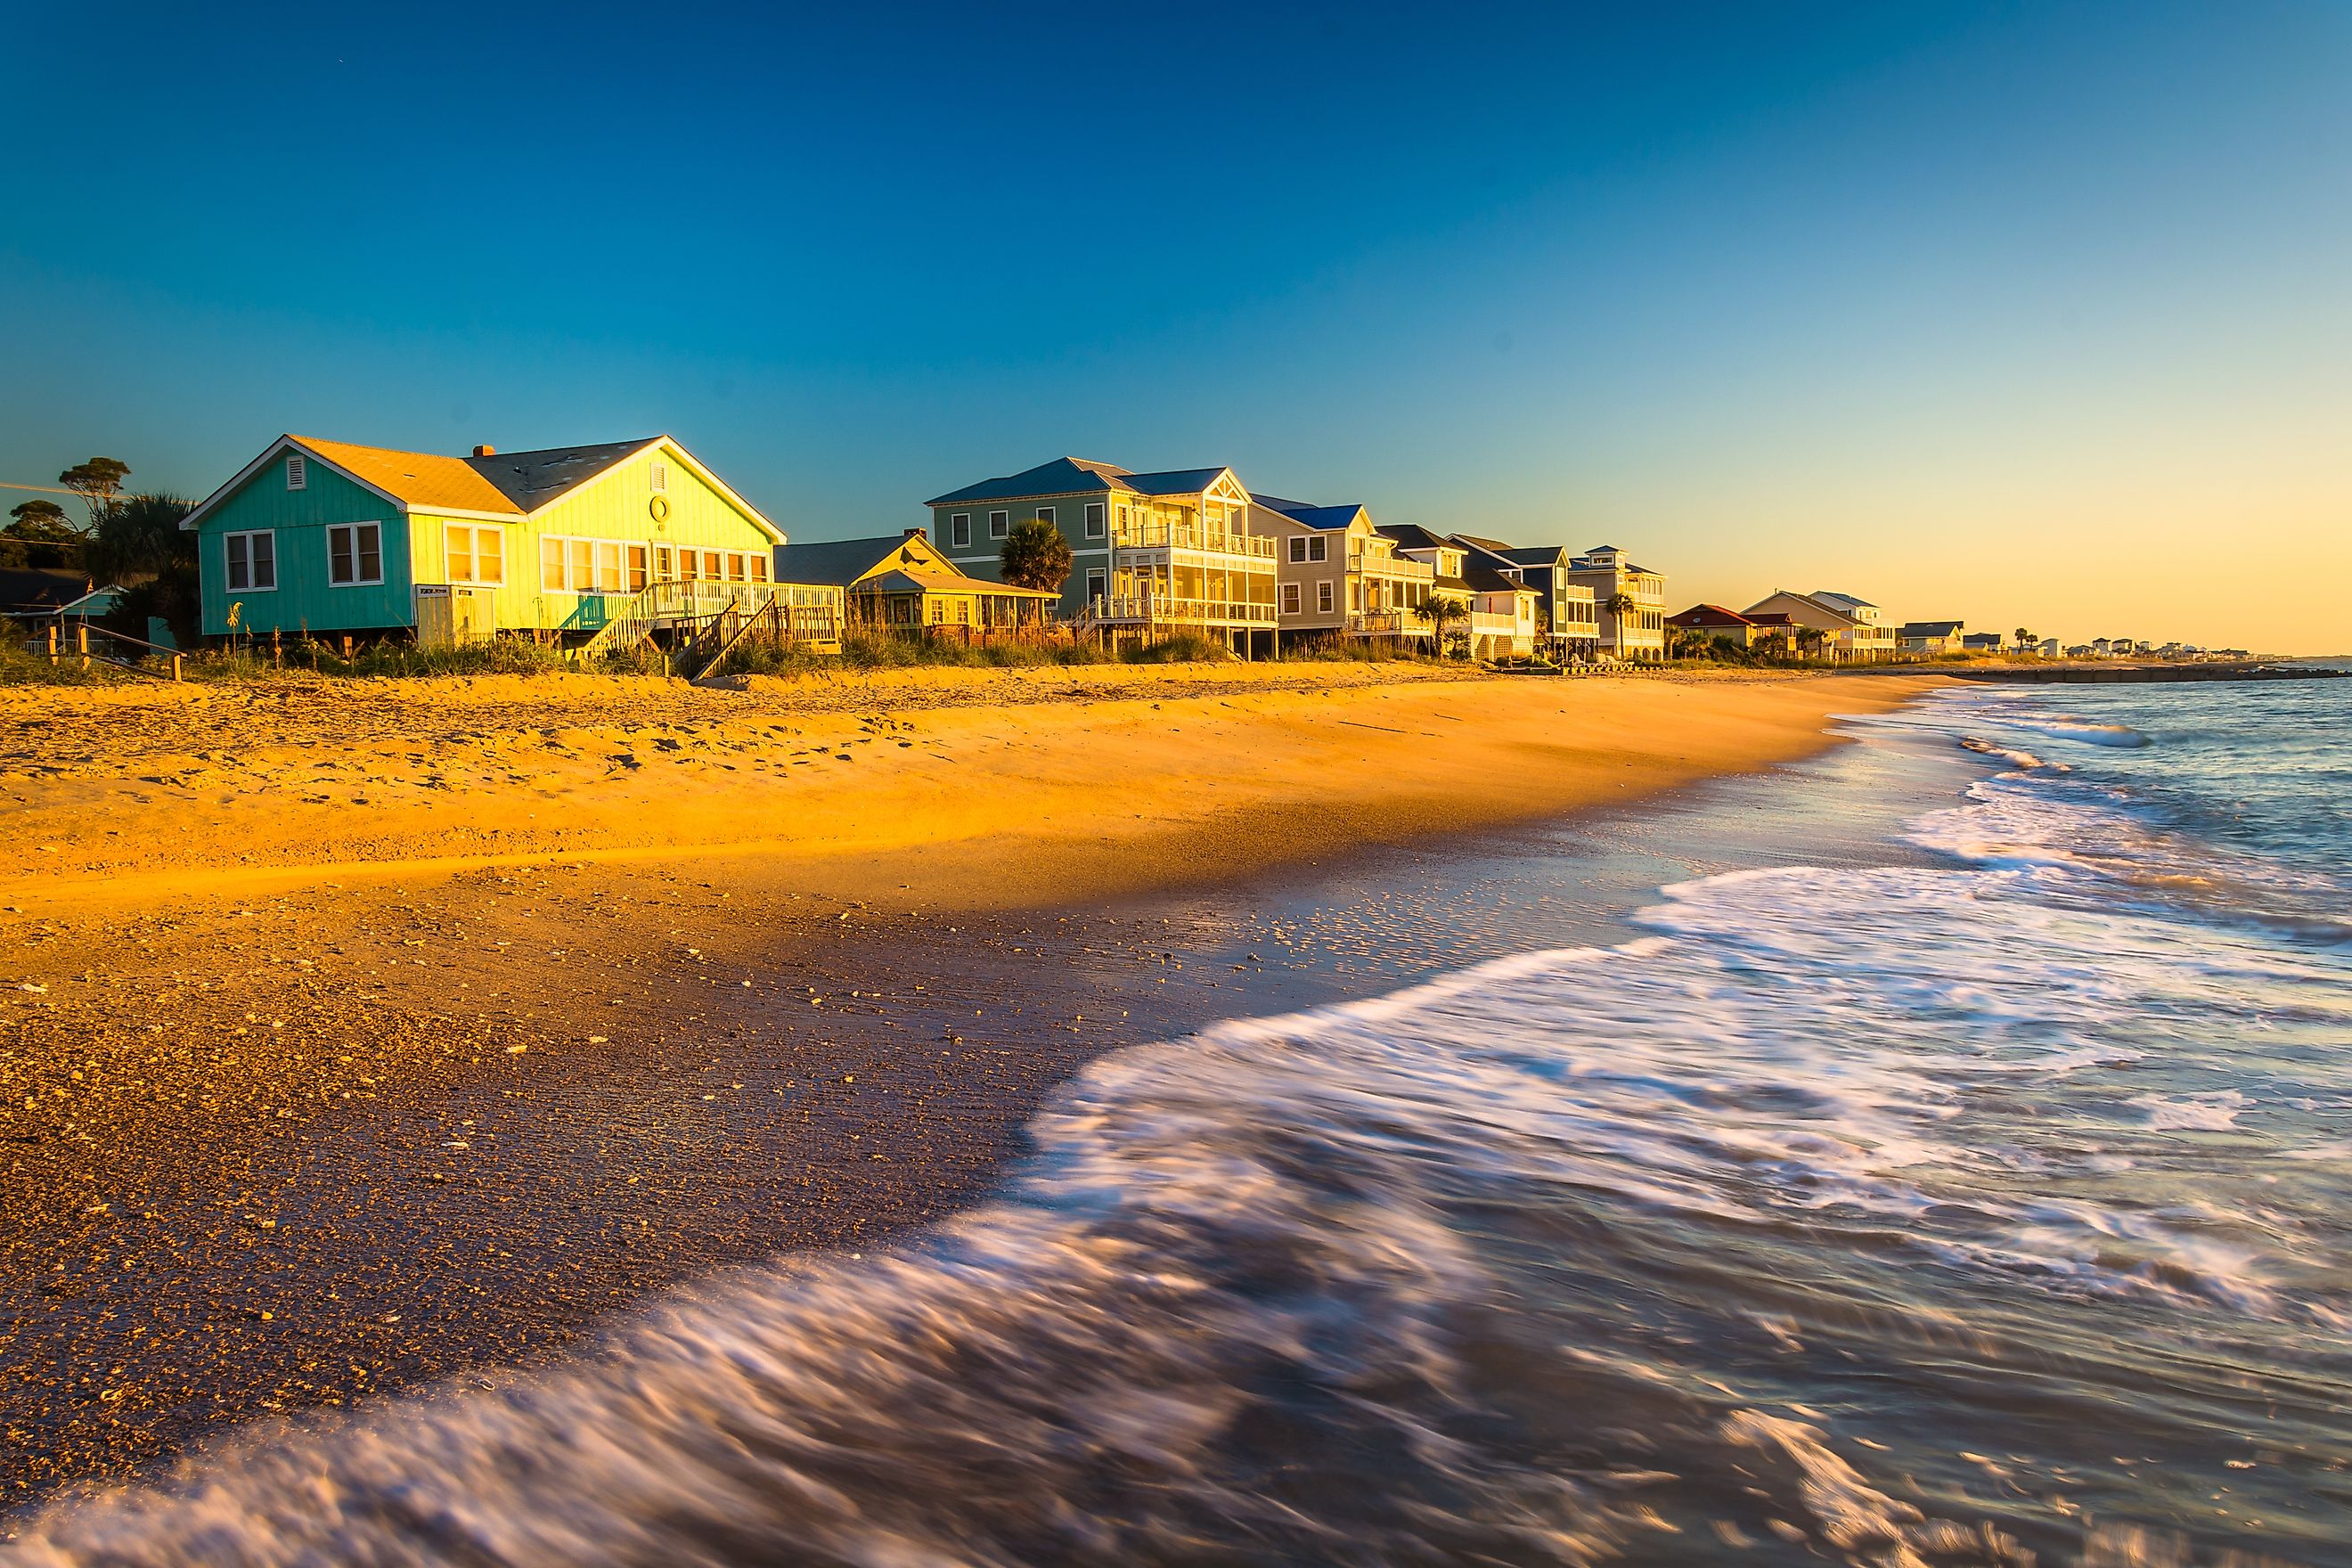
(298,475)
(485,451)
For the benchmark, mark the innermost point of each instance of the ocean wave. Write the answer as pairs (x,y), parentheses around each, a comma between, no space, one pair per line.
(1286,1245)
(1535,1262)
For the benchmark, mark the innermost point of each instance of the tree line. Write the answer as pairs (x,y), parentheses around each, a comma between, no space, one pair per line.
(128,541)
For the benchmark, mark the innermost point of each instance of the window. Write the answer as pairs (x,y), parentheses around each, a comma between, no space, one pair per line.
(1094,520)
(298,472)
(1290,596)
(1323,599)
(1298,548)
(756,567)
(960,530)
(1094,583)
(996,523)
(665,564)
(711,570)
(734,567)
(640,560)
(252,561)
(1044,514)
(658,477)
(475,554)
(354,555)
(1318,548)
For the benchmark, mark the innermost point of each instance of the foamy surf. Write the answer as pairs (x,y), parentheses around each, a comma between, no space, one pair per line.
(1903,1215)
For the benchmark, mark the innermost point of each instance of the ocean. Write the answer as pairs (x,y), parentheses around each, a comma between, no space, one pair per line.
(1977,1191)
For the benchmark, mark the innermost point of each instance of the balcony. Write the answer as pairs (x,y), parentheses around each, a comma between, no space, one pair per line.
(1385,623)
(1194,537)
(1165,610)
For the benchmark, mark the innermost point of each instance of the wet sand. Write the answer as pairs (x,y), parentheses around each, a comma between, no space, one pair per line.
(295,1118)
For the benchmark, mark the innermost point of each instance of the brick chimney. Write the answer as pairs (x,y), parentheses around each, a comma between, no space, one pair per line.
(485,451)
(922,534)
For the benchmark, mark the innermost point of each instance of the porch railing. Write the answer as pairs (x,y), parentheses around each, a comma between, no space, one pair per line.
(1192,536)
(1150,609)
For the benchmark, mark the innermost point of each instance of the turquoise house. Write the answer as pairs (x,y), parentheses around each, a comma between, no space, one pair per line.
(317,537)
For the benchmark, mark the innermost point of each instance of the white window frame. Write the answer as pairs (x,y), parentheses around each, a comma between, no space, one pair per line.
(472,554)
(1095,524)
(241,543)
(298,471)
(1318,548)
(351,532)
(1097,586)
(1297,549)
(1000,523)
(1291,599)
(960,530)
(1323,600)
(658,476)
(599,554)
(1045,514)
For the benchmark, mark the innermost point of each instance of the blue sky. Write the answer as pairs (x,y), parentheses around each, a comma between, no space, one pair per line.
(1892,298)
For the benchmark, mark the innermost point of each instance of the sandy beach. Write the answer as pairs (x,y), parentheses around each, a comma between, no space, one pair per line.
(361,1035)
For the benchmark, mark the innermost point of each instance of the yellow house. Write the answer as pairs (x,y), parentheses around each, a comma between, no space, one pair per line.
(904,582)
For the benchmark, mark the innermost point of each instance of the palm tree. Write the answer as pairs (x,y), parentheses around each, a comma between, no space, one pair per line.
(1036,556)
(1439,612)
(2025,639)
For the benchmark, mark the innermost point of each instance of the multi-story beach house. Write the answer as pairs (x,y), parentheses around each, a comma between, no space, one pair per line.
(1337,575)
(1151,554)
(1635,627)
(1931,638)
(1442,555)
(1568,619)
(328,537)
(1853,629)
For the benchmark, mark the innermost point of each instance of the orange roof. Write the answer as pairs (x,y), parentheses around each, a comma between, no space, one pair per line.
(419,478)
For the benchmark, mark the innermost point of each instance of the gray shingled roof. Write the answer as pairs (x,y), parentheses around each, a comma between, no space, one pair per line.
(1412,536)
(835,562)
(531,479)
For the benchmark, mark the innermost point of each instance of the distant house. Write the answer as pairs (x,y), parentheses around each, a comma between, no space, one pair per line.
(1638,632)
(1932,638)
(1706,623)
(1152,551)
(40,590)
(1983,642)
(1852,629)
(1568,619)
(1338,575)
(902,580)
(326,536)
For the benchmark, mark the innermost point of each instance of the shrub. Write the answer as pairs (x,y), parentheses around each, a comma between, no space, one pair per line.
(1178,648)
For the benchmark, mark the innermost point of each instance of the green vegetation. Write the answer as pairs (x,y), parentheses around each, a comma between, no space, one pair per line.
(39,534)
(1036,556)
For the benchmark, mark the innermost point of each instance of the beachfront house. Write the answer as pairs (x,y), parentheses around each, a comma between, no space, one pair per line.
(1713,623)
(1852,630)
(1337,575)
(1568,619)
(1151,554)
(1635,628)
(902,582)
(1983,642)
(1443,555)
(1930,639)
(328,537)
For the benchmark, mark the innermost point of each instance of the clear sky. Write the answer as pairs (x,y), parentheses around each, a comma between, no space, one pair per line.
(2034,313)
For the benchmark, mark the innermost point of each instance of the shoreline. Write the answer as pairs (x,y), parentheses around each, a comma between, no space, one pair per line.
(335,1143)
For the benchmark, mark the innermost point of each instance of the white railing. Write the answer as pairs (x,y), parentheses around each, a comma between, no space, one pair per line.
(1192,536)
(1158,608)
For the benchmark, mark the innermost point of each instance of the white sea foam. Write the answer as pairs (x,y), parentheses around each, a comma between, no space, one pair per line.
(1869,1093)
